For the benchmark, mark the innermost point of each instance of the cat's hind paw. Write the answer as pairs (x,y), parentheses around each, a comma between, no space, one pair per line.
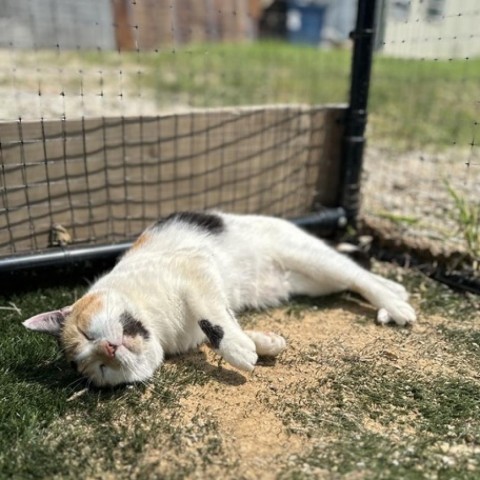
(396,309)
(268,344)
(238,350)
(383,317)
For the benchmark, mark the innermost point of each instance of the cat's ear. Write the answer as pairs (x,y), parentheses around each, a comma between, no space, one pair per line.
(48,322)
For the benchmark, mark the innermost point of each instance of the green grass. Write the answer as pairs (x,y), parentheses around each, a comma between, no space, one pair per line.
(419,421)
(50,426)
(417,418)
(467,217)
(413,103)
(425,102)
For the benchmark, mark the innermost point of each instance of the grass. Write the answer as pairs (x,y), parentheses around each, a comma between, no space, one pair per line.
(416,419)
(399,219)
(425,102)
(467,217)
(413,103)
(365,410)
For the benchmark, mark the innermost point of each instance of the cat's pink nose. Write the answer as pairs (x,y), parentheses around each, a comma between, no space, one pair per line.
(109,349)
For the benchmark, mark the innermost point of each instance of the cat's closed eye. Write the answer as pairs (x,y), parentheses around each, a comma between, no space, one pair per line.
(87,337)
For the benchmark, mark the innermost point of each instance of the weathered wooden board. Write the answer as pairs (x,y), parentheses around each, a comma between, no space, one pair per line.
(105,179)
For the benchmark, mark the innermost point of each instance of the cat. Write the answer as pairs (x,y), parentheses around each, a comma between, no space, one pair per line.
(184,279)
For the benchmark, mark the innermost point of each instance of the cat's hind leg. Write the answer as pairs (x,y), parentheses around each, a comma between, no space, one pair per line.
(338,273)
(317,269)
(393,286)
(267,344)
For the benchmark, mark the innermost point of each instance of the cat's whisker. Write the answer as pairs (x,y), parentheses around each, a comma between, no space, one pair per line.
(76,382)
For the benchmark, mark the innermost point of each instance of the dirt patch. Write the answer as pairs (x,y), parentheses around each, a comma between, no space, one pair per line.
(258,421)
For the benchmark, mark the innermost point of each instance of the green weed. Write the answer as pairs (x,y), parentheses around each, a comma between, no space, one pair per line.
(400,219)
(467,217)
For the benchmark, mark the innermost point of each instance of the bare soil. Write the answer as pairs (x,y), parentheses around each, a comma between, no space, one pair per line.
(253,416)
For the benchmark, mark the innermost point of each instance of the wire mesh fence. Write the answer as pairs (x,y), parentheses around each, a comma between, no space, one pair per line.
(113,113)
(63,59)
(101,180)
(116,112)
(422,166)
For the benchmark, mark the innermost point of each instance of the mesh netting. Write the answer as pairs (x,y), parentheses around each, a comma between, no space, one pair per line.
(114,113)
(422,170)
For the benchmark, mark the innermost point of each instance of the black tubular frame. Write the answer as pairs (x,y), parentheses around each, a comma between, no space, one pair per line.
(328,219)
(356,120)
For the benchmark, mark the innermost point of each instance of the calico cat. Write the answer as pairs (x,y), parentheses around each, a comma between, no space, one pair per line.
(183,281)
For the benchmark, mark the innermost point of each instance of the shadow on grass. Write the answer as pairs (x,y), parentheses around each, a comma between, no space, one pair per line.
(57,377)
(350,302)
(197,360)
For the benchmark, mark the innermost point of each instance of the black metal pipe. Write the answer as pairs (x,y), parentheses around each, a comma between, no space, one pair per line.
(328,219)
(57,257)
(356,115)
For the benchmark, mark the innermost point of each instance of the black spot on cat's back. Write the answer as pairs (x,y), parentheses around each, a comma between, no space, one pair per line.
(206,221)
(214,333)
(133,327)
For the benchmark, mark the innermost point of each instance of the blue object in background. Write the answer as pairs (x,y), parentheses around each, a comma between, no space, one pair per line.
(305,21)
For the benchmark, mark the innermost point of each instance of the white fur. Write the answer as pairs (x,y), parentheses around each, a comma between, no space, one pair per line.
(182,274)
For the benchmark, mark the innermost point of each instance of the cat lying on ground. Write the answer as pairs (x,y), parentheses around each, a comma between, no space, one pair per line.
(183,281)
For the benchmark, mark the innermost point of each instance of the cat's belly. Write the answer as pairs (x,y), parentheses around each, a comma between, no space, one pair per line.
(264,287)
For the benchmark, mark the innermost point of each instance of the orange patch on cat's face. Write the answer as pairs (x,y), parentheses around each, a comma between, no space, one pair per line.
(79,320)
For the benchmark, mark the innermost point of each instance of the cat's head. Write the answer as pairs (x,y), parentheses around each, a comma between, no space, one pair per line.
(102,337)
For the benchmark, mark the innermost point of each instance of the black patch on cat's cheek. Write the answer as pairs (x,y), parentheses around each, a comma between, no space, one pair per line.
(214,333)
(206,221)
(133,327)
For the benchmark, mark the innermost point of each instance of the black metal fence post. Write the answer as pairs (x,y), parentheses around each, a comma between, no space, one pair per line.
(356,119)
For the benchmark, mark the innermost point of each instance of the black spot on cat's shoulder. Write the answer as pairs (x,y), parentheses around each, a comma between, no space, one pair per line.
(214,333)
(206,221)
(133,327)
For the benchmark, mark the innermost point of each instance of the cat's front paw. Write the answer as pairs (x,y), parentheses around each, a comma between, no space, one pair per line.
(267,344)
(396,309)
(238,350)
